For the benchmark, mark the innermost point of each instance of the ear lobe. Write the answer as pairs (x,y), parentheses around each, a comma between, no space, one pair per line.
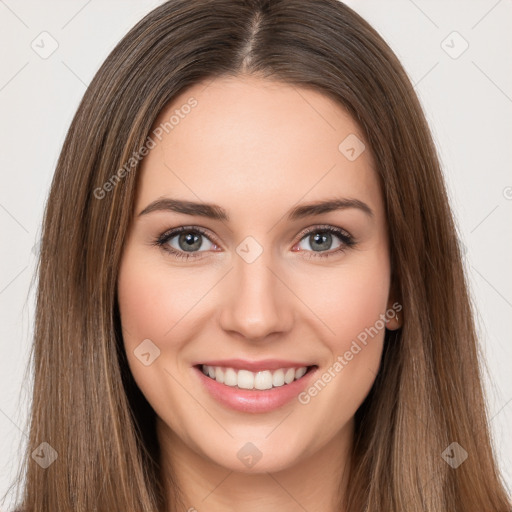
(395,322)
(394,314)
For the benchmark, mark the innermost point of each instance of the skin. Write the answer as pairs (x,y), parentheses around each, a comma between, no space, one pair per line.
(257,148)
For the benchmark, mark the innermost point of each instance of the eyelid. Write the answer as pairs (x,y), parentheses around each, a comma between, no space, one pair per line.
(320,227)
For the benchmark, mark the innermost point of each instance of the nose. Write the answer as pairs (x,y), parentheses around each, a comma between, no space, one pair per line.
(256,301)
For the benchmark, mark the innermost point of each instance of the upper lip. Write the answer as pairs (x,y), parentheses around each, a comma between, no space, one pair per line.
(255,366)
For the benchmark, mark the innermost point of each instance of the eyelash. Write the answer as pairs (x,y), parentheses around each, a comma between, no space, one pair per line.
(346,239)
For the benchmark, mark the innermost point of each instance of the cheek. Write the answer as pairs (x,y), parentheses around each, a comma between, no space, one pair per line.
(148,310)
(152,307)
(161,304)
(153,300)
(349,300)
(144,310)
(352,303)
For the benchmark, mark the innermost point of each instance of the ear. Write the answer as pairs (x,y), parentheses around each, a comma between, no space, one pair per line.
(394,311)
(394,315)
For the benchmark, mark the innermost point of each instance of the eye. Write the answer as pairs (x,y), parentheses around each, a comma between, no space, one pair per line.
(321,238)
(184,241)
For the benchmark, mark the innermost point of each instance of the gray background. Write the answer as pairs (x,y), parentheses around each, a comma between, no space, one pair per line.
(467,97)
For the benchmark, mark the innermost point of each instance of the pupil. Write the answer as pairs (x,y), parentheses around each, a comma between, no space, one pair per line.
(190,241)
(323,240)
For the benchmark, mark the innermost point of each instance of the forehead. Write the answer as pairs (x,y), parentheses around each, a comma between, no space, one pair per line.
(247,142)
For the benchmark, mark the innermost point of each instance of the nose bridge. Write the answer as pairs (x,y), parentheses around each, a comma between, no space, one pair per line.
(255,304)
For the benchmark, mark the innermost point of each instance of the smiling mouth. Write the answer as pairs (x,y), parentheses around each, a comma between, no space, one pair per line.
(261,380)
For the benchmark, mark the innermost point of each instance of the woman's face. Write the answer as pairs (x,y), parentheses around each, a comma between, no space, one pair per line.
(265,282)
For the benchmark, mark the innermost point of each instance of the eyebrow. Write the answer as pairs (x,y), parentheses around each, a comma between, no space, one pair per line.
(216,212)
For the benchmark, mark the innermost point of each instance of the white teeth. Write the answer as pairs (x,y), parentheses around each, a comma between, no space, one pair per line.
(263,380)
(278,379)
(289,376)
(219,375)
(230,378)
(245,379)
(299,372)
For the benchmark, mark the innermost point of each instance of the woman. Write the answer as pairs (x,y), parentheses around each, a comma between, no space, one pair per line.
(250,289)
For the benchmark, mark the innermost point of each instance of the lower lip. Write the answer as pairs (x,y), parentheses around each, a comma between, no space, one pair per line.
(254,401)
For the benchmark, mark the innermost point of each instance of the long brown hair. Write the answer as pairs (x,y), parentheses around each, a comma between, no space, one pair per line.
(86,405)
